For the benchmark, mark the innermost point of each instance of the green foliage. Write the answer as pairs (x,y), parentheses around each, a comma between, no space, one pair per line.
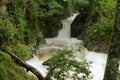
(94,23)
(7,31)
(50,15)
(20,24)
(112,65)
(3,73)
(23,51)
(97,14)
(66,66)
(118,74)
(104,29)
(9,70)
(3,14)
(24,18)
(79,5)
(50,8)
(106,12)
(30,17)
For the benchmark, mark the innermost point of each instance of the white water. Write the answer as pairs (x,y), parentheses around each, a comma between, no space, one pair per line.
(65,31)
(98,65)
(62,41)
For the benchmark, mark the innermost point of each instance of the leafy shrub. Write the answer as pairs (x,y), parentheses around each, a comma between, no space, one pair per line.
(19,11)
(23,51)
(104,28)
(7,31)
(63,65)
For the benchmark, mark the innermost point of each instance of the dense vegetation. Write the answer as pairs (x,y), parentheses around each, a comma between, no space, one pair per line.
(112,65)
(25,23)
(10,71)
(73,68)
(94,23)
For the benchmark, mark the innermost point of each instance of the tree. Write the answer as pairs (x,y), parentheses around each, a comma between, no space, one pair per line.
(61,66)
(112,65)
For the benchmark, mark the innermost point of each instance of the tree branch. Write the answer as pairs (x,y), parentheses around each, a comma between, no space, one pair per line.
(50,73)
(25,65)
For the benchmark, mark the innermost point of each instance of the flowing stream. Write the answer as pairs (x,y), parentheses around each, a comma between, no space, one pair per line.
(64,41)
(65,31)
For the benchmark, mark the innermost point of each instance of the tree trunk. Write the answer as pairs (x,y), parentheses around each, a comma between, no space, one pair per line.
(25,65)
(112,65)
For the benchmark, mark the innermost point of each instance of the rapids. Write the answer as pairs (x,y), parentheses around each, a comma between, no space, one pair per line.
(64,41)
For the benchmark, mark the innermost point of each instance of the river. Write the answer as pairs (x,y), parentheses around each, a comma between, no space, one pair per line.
(62,41)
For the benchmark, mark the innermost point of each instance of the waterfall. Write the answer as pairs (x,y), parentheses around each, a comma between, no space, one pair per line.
(65,31)
(62,41)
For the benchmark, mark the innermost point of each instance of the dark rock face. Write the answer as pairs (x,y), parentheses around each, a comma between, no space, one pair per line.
(78,25)
(51,26)
(52,31)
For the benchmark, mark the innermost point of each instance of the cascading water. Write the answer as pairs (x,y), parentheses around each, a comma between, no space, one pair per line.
(65,31)
(63,40)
